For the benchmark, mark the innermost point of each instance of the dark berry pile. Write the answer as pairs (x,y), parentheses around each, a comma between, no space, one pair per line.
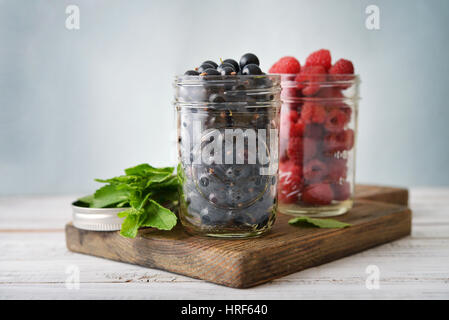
(248,65)
(226,197)
(231,81)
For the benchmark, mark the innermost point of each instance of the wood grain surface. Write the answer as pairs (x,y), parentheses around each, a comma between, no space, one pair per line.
(382,193)
(245,263)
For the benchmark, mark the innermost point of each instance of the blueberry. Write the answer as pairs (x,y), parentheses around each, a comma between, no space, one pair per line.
(204,181)
(191,73)
(230,173)
(211,72)
(213,198)
(224,64)
(216,98)
(211,63)
(248,58)
(234,63)
(251,69)
(205,219)
(226,71)
(205,66)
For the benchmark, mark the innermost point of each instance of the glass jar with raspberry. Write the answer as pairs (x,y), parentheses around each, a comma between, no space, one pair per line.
(317,143)
(228,131)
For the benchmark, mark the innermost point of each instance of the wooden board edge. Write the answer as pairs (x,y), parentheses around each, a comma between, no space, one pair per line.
(401,220)
(77,236)
(246,278)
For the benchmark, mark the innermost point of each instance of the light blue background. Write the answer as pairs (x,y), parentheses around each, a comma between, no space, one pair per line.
(75,105)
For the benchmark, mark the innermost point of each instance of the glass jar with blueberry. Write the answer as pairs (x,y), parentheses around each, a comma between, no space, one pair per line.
(317,136)
(228,121)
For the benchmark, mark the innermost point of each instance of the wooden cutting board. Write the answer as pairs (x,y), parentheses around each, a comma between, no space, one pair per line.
(245,263)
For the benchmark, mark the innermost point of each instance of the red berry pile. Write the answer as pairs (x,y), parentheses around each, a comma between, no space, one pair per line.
(315,136)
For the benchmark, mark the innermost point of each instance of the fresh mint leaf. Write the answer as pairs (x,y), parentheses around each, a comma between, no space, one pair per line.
(180,173)
(159,217)
(87,200)
(154,215)
(147,170)
(130,211)
(160,180)
(317,223)
(138,170)
(165,196)
(130,225)
(109,195)
(168,182)
(149,192)
(120,180)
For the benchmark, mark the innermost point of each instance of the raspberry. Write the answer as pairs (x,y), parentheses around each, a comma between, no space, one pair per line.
(318,194)
(320,58)
(289,113)
(286,65)
(290,182)
(309,79)
(291,129)
(293,115)
(346,109)
(291,168)
(314,170)
(336,169)
(333,142)
(336,120)
(294,150)
(348,139)
(296,129)
(274,68)
(342,70)
(330,93)
(342,191)
(342,66)
(314,131)
(313,113)
(343,140)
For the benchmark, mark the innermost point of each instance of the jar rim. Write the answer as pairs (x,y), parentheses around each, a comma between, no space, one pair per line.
(289,79)
(222,79)
(220,106)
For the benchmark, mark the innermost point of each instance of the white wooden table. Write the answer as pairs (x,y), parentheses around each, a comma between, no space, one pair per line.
(35,264)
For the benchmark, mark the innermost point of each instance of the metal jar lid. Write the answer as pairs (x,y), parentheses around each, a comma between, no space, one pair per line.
(96,219)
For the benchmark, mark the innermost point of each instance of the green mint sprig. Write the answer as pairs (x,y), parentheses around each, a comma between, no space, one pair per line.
(146,193)
(317,223)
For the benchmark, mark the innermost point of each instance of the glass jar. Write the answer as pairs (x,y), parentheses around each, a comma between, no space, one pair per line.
(228,153)
(317,144)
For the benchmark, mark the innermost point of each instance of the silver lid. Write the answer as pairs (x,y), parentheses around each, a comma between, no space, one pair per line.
(96,219)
